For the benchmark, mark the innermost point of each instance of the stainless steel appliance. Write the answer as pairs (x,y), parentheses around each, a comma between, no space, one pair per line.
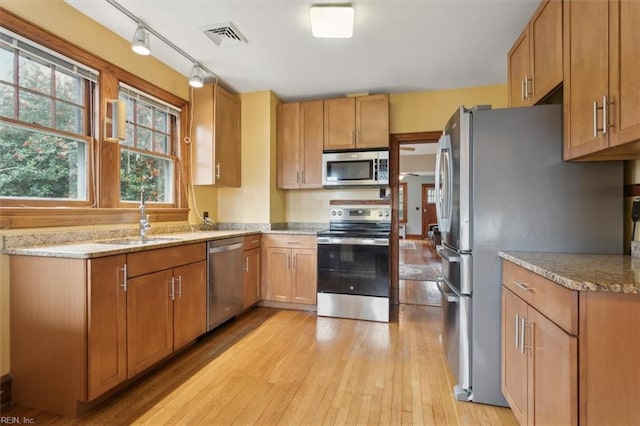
(353,263)
(225,292)
(501,184)
(355,168)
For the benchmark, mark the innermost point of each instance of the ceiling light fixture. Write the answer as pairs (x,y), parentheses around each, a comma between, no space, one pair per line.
(140,43)
(141,38)
(332,21)
(195,77)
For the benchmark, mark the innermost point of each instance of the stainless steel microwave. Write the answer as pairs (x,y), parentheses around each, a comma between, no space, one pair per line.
(355,168)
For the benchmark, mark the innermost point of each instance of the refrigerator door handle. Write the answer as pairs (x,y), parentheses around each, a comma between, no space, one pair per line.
(444,183)
(448,296)
(442,252)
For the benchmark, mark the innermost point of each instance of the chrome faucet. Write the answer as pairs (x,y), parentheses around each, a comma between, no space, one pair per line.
(144,218)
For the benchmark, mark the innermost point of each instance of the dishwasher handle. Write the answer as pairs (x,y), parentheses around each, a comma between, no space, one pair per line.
(229,247)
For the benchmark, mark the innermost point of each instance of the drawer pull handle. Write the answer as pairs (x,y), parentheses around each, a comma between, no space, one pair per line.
(521,286)
(524,325)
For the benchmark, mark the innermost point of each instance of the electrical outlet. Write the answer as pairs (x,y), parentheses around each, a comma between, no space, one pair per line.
(206,217)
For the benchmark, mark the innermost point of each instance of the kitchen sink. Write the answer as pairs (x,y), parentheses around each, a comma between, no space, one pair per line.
(138,241)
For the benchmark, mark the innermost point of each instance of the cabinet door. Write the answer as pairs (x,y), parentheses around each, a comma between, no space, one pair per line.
(514,361)
(226,134)
(107,340)
(311,143)
(339,124)
(149,320)
(251,277)
(586,58)
(304,282)
(624,71)
(278,274)
(190,302)
(372,121)
(546,50)
(553,373)
(288,149)
(518,64)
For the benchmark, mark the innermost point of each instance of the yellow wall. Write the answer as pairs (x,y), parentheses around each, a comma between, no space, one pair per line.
(252,202)
(428,111)
(278,202)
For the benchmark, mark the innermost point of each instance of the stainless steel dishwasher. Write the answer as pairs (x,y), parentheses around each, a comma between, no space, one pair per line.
(225,292)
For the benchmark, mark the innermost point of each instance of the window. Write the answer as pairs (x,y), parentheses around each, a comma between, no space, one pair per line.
(402,202)
(147,155)
(45,124)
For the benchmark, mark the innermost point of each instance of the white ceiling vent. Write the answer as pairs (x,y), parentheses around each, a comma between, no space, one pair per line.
(224,35)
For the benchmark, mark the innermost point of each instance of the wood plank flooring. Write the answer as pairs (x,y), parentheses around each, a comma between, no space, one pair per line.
(414,292)
(282,367)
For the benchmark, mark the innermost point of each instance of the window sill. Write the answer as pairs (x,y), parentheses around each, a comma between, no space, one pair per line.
(44,217)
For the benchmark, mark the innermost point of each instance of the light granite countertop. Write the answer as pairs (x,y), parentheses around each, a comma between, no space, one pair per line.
(92,249)
(583,272)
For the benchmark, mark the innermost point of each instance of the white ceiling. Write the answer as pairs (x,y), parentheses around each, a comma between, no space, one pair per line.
(397,46)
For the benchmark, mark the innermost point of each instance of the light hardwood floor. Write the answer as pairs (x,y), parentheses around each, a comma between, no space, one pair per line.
(414,292)
(279,367)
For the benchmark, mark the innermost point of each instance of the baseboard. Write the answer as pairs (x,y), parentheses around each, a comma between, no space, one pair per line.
(286,305)
(5,389)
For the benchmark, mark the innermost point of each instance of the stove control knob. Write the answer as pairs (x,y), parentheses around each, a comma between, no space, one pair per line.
(339,212)
(379,213)
(333,212)
(386,213)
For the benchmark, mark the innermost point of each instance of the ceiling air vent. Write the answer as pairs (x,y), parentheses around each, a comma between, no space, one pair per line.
(224,35)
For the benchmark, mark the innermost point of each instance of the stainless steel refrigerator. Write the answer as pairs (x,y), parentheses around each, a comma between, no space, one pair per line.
(501,184)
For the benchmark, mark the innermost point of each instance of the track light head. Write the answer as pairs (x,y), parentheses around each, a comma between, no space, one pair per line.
(140,43)
(196,78)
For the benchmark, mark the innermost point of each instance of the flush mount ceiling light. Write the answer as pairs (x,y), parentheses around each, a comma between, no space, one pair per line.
(195,77)
(140,43)
(332,21)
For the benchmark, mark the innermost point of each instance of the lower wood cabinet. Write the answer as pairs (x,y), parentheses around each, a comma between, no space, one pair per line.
(290,268)
(165,311)
(251,270)
(537,356)
(568,357)
(81,327)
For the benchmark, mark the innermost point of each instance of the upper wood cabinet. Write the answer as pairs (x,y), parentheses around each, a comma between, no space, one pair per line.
(360,122)
(535,60)
(216,137)
(601,80)
(300,139)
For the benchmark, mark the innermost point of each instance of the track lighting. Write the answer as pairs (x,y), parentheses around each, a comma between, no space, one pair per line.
(195,77)
(140,43)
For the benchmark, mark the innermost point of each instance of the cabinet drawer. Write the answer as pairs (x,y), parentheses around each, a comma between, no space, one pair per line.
(251,241)
(554,301)
(290,241)
(145,262)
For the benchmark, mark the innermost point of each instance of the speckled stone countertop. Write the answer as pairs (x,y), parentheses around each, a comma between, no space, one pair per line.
(92,249)
(583,272)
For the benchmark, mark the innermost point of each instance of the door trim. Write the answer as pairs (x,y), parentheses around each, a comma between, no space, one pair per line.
(395,140)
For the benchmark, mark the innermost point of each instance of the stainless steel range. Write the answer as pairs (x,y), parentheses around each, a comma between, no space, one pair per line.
(353,263)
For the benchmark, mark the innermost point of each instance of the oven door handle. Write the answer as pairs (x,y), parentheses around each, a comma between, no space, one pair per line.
(354,241)
(451,298)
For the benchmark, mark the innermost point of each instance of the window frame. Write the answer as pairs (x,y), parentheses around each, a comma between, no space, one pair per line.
(106,208)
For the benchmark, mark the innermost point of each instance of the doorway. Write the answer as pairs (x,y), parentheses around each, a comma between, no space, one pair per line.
(417,256)
(429,216)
